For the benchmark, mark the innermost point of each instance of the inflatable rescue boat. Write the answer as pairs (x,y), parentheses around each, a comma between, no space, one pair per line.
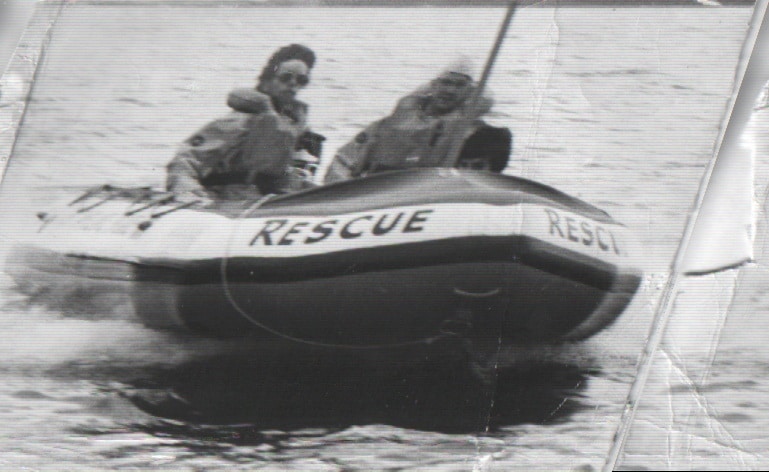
(397,257)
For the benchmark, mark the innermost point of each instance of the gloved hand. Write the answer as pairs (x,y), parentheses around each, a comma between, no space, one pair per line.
(311,142)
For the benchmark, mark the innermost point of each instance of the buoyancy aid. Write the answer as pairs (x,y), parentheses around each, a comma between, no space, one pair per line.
(253,144)
(407,138)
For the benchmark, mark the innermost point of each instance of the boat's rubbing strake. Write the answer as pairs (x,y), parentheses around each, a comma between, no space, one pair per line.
(187,236)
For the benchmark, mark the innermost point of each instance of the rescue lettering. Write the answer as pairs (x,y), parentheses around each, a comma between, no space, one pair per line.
(348,233)
(381,227)
(579,231)
(322,230)
(286,240)
(270,226)
(417,217)
(285,232)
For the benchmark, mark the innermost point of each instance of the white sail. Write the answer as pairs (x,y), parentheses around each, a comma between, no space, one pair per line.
(724,229)
(718,236)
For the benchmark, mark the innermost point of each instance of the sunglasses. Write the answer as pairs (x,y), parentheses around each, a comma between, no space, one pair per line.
(300,79)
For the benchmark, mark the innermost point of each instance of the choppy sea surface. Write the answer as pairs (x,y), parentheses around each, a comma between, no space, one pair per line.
(619,107)
(704,406)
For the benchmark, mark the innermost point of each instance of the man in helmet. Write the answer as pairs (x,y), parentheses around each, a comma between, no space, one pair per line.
(254,146)
(423,129)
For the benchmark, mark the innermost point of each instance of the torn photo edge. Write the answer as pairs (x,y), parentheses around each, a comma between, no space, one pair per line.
(31,52)
(18,80)
(718,181)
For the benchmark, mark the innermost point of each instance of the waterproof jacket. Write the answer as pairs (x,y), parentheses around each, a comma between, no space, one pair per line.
(253,145)
(407,138)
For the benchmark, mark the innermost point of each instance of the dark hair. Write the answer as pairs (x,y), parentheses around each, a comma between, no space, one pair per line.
(287,53)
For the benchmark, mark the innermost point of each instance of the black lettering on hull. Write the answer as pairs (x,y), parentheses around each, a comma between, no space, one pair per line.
(270,226)
(417,217)
(587,231)
(323,230)
(554,222)
(286,232)
(285,240)
(601,243)
(584,232)
(571,227)
(380,228)
(347,233)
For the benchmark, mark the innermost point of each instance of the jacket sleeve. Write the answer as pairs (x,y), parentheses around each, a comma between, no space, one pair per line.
(201,153)
(182,174)
(270,142)
(351,159)
(248,100)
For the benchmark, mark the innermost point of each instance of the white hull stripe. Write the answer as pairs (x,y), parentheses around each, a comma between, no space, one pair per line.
(195,235)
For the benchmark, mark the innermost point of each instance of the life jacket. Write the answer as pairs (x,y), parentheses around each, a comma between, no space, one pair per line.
(253,144)
(408,138)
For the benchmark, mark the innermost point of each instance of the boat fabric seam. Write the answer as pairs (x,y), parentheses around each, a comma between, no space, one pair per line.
(426,340)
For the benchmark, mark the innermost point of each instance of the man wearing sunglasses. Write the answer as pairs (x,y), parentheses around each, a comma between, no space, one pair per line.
(251,150)
(422,129)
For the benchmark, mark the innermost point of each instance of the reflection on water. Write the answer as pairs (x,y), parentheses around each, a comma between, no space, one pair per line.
(334,393)
(245,410)
(132,395)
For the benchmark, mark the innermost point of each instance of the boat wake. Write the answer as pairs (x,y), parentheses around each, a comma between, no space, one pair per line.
(93,327)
